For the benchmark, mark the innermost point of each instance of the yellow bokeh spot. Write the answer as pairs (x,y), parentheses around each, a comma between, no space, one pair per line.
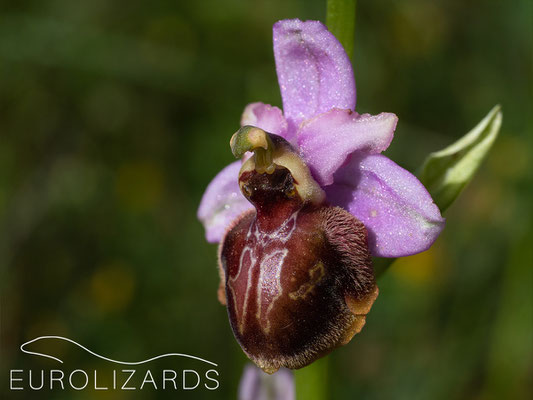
(420,268)
(112,286)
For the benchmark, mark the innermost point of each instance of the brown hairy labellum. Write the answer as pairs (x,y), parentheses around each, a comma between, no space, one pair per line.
(297,273)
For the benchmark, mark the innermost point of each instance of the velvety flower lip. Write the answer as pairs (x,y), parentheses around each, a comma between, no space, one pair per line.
(341,147)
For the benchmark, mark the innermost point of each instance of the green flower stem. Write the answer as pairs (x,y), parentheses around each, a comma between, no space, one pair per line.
(340,19)
(312,381)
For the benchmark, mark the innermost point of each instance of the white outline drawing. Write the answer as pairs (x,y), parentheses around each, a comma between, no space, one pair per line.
(102,357)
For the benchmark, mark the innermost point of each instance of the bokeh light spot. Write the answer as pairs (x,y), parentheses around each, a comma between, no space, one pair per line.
(112,286)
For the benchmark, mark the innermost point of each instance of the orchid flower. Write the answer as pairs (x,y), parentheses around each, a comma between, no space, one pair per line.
(341,147)
(297,274)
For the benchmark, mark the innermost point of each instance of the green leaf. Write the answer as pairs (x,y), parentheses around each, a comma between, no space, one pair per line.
(446,172)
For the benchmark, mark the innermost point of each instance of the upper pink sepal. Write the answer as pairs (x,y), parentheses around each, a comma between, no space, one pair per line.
(314,72)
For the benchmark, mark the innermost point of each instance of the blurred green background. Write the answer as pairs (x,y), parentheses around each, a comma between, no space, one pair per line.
(114,116)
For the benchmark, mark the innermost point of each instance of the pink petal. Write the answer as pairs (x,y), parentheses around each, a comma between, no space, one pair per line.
(327,140)
(222,202)
(397,210)
(314,72)
(266,117)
